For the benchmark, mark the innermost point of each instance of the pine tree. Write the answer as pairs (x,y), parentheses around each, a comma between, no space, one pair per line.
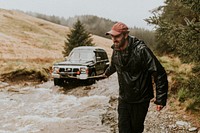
(178,28)
(178,32)
(77,36)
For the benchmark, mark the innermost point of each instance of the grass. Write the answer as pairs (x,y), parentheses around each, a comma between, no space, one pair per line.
(176,70)
(182,95)
(184,87)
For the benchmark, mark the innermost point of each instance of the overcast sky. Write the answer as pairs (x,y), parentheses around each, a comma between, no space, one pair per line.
(131,12)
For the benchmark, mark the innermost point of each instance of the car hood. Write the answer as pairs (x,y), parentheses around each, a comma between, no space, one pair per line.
(75,63)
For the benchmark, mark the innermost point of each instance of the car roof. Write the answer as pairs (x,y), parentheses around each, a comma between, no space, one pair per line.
(94,48)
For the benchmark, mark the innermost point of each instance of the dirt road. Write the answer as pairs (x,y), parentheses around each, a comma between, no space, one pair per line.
(74,109)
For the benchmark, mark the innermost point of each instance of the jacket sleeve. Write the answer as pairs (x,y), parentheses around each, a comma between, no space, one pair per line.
(159,75)
(111,69)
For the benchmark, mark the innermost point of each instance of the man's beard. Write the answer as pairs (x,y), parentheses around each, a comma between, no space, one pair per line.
(120,44)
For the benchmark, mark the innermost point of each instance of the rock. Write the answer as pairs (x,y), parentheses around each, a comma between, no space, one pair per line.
(192,129)
(3,84)
(13,90)
(182,123)
(172,126)
(57,89)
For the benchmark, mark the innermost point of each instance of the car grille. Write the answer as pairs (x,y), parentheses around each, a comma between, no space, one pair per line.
(69,71)
(62,70)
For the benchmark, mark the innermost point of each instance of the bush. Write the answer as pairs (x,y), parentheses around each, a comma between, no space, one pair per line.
(190,90)
(182,94)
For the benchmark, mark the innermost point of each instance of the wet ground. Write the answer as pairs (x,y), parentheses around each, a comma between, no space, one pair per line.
(76,108)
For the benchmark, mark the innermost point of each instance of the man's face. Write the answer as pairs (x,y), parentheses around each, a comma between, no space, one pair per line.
(119,40)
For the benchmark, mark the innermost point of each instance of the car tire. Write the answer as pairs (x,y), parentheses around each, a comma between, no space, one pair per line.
(91,81)
(58,81)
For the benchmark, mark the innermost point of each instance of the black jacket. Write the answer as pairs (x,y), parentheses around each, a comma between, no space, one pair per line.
(135,67)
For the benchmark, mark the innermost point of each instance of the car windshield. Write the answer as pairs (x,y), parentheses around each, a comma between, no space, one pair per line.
(81,55)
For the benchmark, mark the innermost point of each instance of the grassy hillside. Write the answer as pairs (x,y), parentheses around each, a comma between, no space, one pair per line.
(26,37)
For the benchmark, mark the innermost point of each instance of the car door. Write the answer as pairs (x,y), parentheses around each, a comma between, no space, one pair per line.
(102,62)
(105,60)
(98,63)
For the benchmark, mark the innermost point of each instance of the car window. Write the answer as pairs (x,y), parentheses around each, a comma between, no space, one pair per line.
(82,55)
(103,55)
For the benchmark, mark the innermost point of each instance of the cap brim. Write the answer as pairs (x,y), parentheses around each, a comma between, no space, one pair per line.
(113,32)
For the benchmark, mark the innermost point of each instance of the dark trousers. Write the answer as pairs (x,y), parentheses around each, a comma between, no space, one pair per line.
(131,116)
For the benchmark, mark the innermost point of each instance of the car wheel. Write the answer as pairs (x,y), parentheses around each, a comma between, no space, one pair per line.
(91,81)
(58,82)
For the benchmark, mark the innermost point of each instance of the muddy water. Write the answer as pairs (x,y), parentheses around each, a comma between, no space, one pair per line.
(84,109)
(43,110)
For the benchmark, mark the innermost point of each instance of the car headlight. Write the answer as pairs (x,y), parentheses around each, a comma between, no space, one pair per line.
(84,70)
(56,69)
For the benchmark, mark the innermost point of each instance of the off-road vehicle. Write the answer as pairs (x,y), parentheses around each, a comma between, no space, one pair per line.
(83,63)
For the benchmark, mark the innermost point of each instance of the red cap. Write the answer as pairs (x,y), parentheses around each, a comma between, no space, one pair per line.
(117,29)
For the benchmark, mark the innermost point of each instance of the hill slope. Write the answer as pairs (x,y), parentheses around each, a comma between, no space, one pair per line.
(26,37)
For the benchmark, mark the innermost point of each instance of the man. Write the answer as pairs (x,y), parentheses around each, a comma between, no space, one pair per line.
(135,65)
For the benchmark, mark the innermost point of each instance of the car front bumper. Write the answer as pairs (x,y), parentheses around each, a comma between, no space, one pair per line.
(81,76)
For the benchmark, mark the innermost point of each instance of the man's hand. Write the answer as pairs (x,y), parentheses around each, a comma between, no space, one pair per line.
(159,107)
